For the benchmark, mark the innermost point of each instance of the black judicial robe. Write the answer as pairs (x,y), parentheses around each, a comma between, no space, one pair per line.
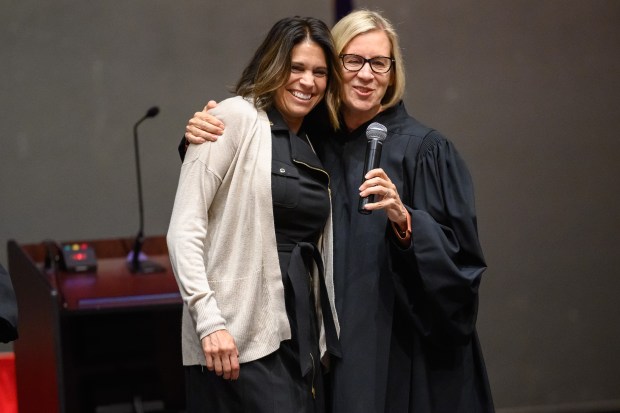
(407,315)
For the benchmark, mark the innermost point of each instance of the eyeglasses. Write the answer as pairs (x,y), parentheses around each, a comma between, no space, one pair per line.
(354,63)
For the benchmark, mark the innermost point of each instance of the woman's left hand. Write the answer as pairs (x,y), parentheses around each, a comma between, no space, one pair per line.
(377,183)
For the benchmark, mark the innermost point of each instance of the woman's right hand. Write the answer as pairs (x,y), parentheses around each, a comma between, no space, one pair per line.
(221,354)
(204,127)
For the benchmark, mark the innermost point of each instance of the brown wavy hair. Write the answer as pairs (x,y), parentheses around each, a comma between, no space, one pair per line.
(270,67)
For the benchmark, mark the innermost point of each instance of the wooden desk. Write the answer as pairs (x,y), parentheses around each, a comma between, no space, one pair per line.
(90,341)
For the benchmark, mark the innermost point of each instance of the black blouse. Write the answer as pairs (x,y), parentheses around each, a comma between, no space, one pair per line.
(299,185)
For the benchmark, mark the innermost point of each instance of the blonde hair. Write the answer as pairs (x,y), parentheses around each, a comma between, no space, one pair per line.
(364,21)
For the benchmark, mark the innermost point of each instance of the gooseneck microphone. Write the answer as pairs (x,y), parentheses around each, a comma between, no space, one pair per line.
(136,263)
(376,134)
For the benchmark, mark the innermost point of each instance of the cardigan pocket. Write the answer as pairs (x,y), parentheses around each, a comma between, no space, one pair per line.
(250,313)
(284,184)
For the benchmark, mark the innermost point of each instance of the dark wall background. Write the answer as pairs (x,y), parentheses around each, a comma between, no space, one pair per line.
(528,90)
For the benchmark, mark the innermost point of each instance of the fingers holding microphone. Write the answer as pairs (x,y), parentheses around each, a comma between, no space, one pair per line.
(385,193)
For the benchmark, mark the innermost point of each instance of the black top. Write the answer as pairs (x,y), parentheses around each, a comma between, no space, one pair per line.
(299,186)
(407,315)
(301,206)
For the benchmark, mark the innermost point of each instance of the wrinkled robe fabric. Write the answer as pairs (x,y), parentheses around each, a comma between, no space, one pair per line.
(407,315)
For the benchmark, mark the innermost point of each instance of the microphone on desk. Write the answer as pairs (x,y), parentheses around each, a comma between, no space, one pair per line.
(376,134)
(136,260)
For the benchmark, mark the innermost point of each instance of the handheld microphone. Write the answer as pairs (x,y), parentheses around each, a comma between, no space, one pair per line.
(136,263)
(376,134)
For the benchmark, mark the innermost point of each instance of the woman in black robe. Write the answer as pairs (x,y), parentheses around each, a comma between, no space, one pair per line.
(407,314)
(407,275)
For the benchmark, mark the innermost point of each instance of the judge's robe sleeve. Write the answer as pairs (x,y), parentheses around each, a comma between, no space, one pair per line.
(438,275)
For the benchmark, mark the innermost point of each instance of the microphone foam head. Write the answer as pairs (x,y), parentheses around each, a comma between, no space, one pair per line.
(152,112)
(376,131)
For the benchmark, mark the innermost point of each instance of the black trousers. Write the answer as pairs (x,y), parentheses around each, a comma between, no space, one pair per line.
(272,384)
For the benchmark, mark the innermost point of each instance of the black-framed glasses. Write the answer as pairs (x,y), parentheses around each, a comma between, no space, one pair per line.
(378,64)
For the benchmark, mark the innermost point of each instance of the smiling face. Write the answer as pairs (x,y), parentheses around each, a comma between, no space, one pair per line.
(305,86)
(364,90)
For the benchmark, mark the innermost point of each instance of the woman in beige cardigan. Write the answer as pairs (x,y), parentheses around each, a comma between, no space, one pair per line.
(250,237)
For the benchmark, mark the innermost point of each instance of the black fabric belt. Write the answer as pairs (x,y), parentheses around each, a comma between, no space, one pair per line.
(298,275)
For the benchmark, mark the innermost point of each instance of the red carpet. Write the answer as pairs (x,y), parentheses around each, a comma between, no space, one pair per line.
(8,388)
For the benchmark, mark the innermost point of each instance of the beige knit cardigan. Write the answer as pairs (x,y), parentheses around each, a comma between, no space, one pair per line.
(222,245)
